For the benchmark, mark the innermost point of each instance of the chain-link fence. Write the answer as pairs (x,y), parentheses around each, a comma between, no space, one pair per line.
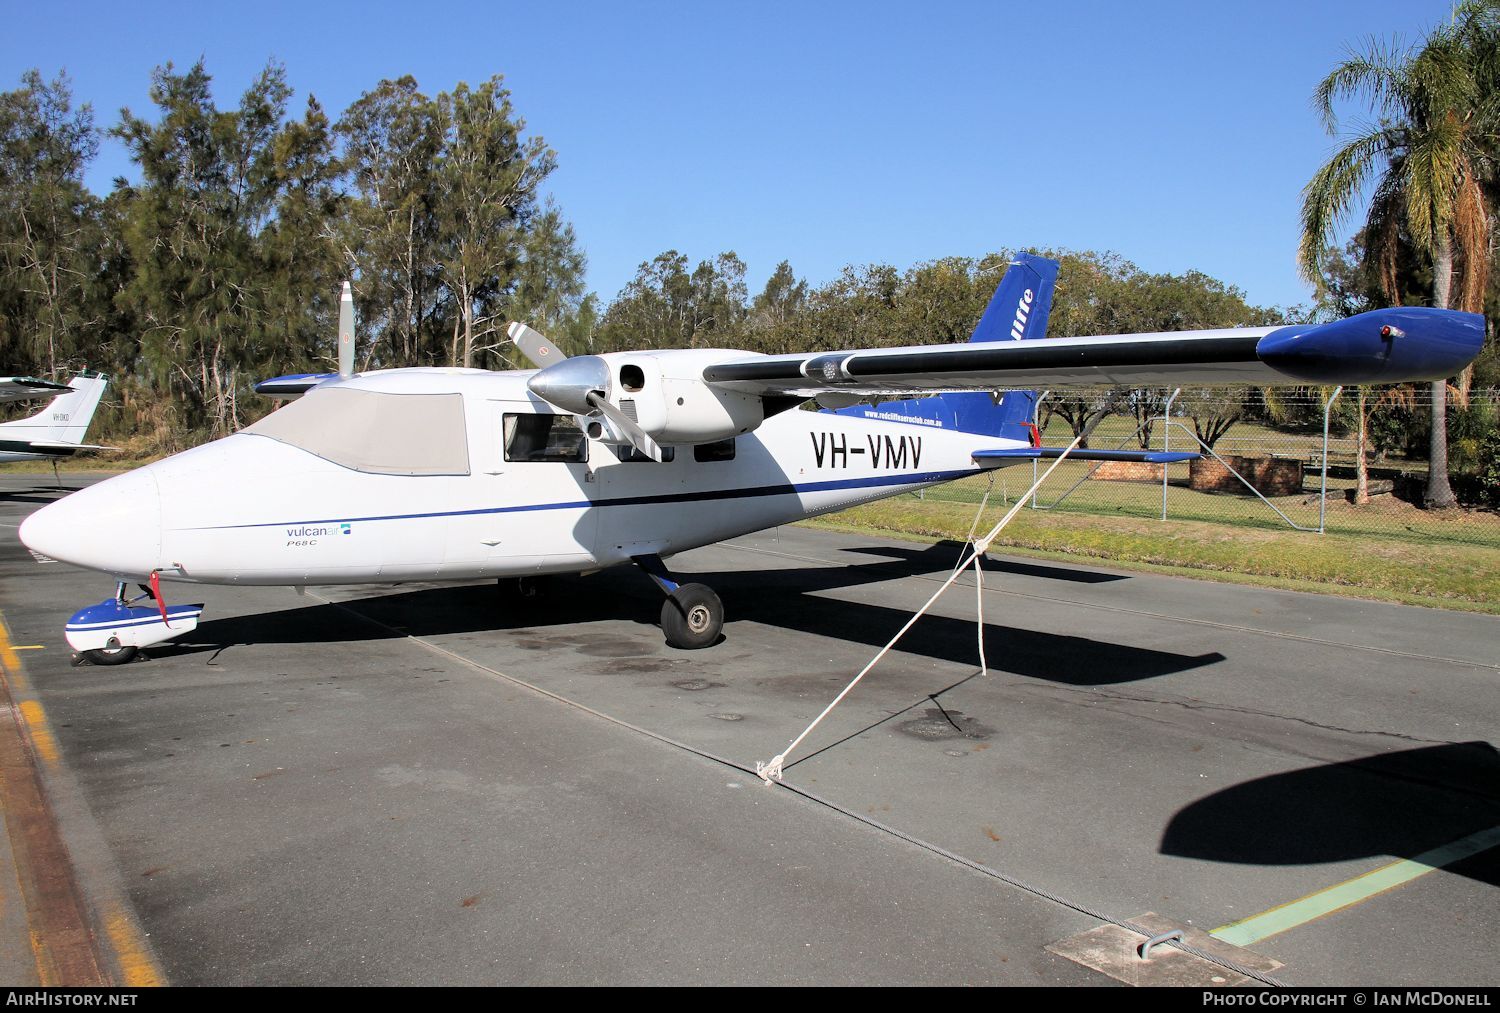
(1273,459)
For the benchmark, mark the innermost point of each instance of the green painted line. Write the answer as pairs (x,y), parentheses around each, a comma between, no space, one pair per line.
(1350,892)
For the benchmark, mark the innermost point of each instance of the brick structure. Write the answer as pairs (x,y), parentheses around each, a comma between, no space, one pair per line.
(1271,476)
(1128,471)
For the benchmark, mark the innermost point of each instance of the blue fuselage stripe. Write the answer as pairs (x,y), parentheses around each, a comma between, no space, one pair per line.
(919,478)
(104,624)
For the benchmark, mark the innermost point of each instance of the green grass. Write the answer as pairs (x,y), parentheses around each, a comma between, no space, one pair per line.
(1248,438)
(1419,561)
(1385,517)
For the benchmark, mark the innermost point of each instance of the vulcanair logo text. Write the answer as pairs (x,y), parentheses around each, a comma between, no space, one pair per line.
(1023,310)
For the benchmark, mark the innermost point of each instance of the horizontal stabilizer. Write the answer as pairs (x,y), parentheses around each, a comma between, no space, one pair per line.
(292,385)
(26,388)
(1048,453)
(45,445)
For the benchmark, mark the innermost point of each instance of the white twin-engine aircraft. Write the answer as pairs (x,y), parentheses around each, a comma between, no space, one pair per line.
(59,429)
(630,457)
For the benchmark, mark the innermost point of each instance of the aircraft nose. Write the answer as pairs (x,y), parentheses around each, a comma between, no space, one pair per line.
(114,526)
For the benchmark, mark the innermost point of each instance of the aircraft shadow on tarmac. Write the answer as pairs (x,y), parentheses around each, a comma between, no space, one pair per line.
(42,494)
(1397,804)
(1022,568)
(784,598)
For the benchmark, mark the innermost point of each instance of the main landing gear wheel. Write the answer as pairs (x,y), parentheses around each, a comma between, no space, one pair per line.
(692,617)
(524,590)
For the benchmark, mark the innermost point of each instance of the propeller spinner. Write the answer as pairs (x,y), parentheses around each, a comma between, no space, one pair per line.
(581,385)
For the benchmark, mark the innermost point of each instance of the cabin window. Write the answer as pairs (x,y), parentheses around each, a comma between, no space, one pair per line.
(545,437)
(375,432)
(630,455)
(720,451)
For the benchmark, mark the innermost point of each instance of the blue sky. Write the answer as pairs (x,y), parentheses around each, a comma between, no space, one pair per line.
(1176,134)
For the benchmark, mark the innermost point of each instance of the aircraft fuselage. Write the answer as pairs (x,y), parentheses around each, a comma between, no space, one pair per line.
(257,509)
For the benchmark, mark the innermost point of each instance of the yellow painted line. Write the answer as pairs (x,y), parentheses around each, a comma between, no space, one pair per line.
(41,732)
(136,963)
(8,657)
(30,647)
(44,972)
(1350,892)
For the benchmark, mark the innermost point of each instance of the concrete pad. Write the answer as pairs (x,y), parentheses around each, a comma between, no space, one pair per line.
(348,787)
(1115,951)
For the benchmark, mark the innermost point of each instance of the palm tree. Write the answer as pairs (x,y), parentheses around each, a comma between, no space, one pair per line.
(1429,151)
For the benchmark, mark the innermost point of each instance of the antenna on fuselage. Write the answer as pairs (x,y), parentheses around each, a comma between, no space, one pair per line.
(346,332)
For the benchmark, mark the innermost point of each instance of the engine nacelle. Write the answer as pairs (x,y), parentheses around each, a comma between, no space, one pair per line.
(664,392)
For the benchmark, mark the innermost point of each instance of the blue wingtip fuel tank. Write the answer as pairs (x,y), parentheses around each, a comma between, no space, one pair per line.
(1399,344)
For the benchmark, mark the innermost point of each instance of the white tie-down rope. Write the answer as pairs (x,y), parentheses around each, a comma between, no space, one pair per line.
(984,502)
(772,771)
(984,666)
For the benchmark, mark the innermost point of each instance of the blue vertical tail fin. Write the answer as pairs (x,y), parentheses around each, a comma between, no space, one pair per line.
(1022,301)
(1018,311)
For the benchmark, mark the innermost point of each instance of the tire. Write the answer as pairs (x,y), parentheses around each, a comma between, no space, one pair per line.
(525,590)
(692,617)
(111,655)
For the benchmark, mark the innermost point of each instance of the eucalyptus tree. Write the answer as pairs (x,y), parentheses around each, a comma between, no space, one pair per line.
(223,256)
(653,309)
(50,235)
(489,180)
(1427,153)
(940,300)
(450,232)
(858,309)
(774,309)
(666,306)
(717,302)
(392,137)
(189,227)
(301,269)
(783,296)
(547,289)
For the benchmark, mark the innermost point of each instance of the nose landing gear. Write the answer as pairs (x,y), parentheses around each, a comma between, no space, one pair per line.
(113,631)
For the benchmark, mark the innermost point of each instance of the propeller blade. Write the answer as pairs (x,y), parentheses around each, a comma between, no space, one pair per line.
(625,424)
(346,332)
(538,349)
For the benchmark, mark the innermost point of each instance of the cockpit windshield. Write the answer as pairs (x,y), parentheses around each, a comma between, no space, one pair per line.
(371,431)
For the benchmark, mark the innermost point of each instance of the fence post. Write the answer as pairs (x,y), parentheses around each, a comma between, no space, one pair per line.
(1323,485)
(1166,445)
(1036,415)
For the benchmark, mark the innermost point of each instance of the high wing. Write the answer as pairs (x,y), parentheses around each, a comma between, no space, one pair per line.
(27,388)
(1381,346)
(292,385)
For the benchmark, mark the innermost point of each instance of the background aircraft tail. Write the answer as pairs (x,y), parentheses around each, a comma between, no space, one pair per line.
(1018,311)
(66,417)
